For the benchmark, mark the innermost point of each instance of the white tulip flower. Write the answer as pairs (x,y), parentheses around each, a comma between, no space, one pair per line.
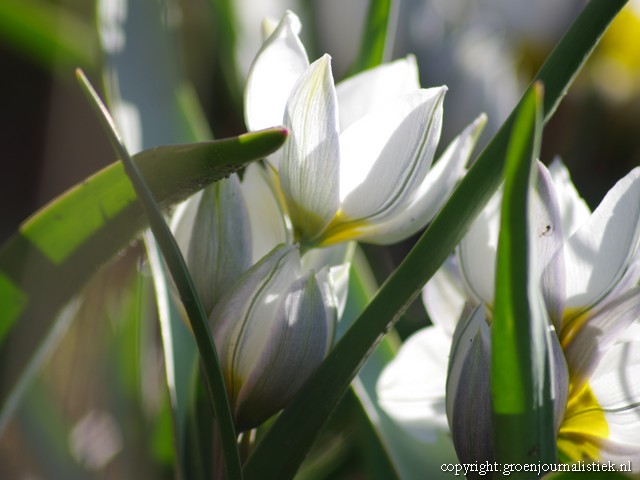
(588,266)
(213,232)
(357,163)
(272,330)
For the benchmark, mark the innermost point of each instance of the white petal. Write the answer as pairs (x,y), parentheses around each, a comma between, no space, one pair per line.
(233,320)
(363,93)
(203,230)
(421,206)
(269,25)
(294,346)
(220,244)
(468,389)
(411,388)
(182,221)
(336,260)
(615,386)
(630,279)
(387,154)
(574,210)
(473,323)
(586,341)
(311,155)
(477,251)
(548,240)
(631,334)
(276,68)
(598,253)
(444,296)
(269,226)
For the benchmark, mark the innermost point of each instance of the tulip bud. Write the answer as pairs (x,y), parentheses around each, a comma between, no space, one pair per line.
(469,390)
(213,232)
(272,330)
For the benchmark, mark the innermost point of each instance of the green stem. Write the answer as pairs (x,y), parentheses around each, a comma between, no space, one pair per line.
(175,261)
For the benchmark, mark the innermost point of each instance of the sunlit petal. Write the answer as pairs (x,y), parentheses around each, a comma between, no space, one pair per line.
(387,154)
(617,391)
(276,68)
(600,251)
(411,388)
(477,251)
(548,239)
(294,346)
(269,226)
(573,209)
(420,206)
(444,296)
(309,170)
(586,339)
(615,384)
(213,232)
(336,260)
(363,93)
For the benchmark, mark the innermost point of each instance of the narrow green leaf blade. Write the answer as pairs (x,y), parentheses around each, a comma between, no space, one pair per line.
(59,248)
(405,456)
(198,319)
(377,36)
(145,82)
(179,351)
(518,379)
(295,430)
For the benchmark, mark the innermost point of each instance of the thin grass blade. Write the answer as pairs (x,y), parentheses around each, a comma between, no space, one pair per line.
(522,424)
(377,37)
(213,375)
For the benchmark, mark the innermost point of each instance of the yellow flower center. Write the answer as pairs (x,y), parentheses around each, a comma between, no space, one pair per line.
(340,229)
(583,427)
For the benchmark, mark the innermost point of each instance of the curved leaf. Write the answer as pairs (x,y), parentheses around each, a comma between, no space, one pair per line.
(58,249)
(377,37)
(520,384)
(213,375)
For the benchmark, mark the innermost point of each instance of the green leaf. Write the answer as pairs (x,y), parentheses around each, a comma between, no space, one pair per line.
(226,40)
(295,429)
(405,456)
(523,428)
(179,350)
(51,34)
(59,248)
(377,35)
(213,375)
(362,287)
(145,79)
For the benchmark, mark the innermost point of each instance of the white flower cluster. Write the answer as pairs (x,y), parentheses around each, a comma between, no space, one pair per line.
(356,166)
(588,277)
